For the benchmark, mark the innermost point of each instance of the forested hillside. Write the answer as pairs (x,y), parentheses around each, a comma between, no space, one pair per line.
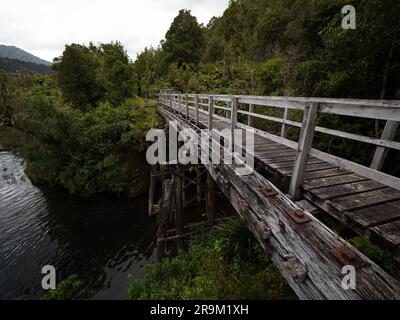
(288,47)
(18,66)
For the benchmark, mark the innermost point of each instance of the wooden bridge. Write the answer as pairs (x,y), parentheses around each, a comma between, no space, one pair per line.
(309,255)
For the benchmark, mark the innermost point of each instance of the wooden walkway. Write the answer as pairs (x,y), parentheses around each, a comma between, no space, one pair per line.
(368,203)
(368,207)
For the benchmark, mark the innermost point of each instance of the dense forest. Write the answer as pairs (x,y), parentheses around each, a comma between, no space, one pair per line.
(289,47)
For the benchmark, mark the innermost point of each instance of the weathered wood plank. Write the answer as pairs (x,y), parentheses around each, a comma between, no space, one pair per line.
(369,173)
(365,199)
(331,192)
(325,173)
(290,165)
(389,233)
(308,206)
(267,156)
(311,167)
(332,181)
(369,217)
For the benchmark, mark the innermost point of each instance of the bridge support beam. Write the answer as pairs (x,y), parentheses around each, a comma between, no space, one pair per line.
(163,216)
(210,200)
(179,223)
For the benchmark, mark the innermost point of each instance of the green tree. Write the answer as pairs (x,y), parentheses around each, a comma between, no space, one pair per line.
(116,72)
(271,79)
(77,70)
(184,39)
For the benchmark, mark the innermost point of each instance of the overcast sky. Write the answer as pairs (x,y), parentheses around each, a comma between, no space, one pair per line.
(43,27)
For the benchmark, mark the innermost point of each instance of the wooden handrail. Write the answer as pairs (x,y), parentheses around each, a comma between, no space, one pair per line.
(375,109)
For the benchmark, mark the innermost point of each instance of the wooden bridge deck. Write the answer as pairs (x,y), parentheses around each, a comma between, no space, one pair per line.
(308,254)
(366,206)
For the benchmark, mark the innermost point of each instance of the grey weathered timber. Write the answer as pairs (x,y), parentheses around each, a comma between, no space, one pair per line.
(210,112)
(179,224)
(196,103)
(388,133)
(234,105)
(152,190)
(284,128)
(369,173)
(163,216)
(250,118)
(300,251)
(187,107)
(210,200)
(304,146)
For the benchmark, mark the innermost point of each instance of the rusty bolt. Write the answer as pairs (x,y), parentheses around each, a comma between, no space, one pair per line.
(263,230)
(299,213)
(267,191)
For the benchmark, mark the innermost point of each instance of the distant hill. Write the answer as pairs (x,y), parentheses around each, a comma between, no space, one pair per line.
(18,66)
(12,52)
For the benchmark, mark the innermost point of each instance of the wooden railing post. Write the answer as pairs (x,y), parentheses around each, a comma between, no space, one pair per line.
(303,149)
(170,100)
(250,120)
(187,107)
(235,103)
(210,112)
(284,128)
(197,109)
(389,133)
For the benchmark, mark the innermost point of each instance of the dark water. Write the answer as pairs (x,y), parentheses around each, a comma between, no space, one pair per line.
(103,240)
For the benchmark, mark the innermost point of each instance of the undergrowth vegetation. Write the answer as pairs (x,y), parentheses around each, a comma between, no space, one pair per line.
(225,262)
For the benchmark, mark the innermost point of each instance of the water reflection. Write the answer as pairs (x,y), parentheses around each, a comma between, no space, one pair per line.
(102,240)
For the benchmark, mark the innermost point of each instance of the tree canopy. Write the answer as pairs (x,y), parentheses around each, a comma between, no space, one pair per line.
(184,39)
(89,74)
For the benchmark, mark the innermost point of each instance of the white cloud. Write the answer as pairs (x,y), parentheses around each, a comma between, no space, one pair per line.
(43,27)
